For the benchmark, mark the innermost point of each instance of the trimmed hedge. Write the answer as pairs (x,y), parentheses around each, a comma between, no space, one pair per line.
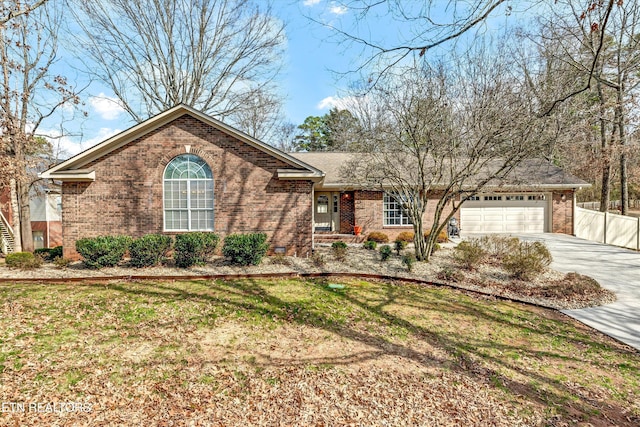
(194,248)
(49,254)
(24,260)
(378,237)
(245,249)
(103,251)
(149,250)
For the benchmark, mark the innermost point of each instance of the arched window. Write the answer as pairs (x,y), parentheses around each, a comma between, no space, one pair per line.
(188,194)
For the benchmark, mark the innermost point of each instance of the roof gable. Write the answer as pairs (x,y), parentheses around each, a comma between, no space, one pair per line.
(73,169)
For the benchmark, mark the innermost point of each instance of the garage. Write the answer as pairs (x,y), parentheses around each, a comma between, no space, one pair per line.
(505,213)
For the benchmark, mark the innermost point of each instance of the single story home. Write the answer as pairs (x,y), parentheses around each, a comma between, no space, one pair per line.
(184,171)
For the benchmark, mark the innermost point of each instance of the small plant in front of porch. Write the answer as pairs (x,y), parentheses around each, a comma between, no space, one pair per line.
(339,250)
(23,260)
(318,260)
(194,248)
(385,252)
(370,245)
(102,251)
(409,260)
(378,237)
(399,246)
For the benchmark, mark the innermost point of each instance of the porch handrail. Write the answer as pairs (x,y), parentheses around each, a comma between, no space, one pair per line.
(5,224)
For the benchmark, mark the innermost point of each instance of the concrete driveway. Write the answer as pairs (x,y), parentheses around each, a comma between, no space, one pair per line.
(615,269)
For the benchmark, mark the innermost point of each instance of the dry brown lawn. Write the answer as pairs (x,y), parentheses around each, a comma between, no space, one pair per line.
(297,352)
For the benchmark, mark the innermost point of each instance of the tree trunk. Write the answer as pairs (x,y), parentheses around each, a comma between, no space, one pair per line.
(15,217)
(624,186)
(605,191)
(25,217)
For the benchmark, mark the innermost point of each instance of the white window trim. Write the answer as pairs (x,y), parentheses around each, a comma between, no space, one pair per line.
(386,200)
(187,209)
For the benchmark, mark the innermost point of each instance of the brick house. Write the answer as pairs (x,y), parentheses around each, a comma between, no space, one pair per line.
(537,197)
(183,171)
(46,221)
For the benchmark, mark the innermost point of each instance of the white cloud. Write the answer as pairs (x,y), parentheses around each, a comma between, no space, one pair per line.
(338,9)
(310,2)
(340,103)
(108,108)
(67,147)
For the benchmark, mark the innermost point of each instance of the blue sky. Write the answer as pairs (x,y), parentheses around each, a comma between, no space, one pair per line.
(309,82)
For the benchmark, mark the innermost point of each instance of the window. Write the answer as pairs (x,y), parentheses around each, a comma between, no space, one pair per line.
(323,204)
(188,194)
(492,198)
(474,198)
(514,197)
(536,197)
(392,211)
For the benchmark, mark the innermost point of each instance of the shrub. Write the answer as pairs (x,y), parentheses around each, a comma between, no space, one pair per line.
(385,252)
(370,244)
(499,246)
(450,275)
(245,249)
(149,250)
(528,260)
(194,248)
(61,262)
(280,259)
(409,260)
(318,259)
(378,237)
(470,253)
(102,251)
(339,250)
(24,260)
(399,245)
(442,235)
(405,236)
(49,254)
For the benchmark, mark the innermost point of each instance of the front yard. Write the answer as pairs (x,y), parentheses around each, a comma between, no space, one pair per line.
(297,352)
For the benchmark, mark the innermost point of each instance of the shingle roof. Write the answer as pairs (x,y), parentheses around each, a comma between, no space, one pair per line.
(530,173)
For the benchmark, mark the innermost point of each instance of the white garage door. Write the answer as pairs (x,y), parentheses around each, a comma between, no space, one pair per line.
(512,213)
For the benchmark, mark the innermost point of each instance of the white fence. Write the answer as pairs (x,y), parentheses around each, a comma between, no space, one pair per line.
(608,228)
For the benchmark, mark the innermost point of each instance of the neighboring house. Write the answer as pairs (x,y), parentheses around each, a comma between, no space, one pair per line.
(46,219)
(184,171)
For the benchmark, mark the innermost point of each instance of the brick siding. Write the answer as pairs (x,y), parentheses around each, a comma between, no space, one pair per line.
(368,213)
(562,212)
(126,197)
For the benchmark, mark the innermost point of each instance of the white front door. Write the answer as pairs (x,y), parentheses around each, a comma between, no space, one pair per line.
(326,211)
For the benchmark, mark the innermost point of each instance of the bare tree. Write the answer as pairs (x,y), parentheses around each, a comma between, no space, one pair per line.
(446,131)
(213,55)
(428,25)
(10,9)
(575,50)
(29,93)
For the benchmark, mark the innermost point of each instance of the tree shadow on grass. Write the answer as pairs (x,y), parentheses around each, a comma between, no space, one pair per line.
(464,353)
